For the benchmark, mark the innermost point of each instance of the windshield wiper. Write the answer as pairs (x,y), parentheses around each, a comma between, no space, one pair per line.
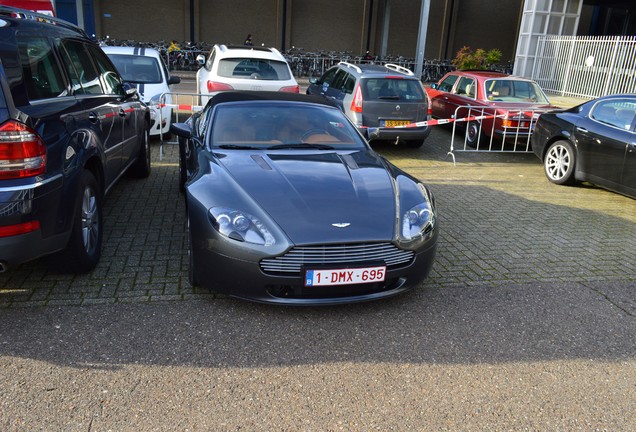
(238,147)
(300,146)
(393,97)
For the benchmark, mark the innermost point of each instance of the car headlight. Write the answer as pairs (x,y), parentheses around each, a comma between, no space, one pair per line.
(155,100)
(418,221)
(241,226)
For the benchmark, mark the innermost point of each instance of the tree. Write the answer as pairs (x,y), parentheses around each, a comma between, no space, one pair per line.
(480,59)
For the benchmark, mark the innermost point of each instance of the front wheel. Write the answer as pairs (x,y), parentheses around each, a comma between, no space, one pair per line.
(183,173)
(141,167)
(559,163)
(191,273)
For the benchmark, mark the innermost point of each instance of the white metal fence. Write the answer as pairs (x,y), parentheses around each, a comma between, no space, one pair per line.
(587,67)
(181,106)
(505,129)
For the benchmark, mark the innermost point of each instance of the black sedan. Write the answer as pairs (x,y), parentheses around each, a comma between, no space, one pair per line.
(288,204)
(594,142)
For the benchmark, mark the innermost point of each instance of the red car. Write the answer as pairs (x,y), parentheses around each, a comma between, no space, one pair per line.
(517,103)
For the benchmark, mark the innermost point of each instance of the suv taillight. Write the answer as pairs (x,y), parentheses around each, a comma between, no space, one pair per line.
(356,103)
(214,86)
(290,89)
(22,151)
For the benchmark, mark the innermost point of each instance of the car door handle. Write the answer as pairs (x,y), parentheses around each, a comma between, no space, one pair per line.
(122,113)
(93,117)
(580,129)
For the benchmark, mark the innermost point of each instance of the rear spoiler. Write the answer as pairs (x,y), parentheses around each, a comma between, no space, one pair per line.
(34,16)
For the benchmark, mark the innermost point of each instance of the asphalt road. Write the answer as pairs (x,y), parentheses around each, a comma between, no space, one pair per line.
(527,322)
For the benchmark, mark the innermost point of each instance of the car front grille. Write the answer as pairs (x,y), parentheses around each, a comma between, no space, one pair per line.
(333,255)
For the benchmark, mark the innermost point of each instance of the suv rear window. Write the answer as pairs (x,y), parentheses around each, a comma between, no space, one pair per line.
(42,75)
(392,89)
(250,68)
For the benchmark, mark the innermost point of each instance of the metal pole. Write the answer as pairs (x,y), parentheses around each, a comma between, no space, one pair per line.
(421,39)
(191,20)
(79,8)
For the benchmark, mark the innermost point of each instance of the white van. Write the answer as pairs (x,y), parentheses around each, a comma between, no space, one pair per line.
(146,69)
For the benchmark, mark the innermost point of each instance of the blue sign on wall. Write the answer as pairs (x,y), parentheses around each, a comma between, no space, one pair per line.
(67,10)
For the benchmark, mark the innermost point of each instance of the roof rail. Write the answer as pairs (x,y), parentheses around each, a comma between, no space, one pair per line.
(400,69)
(35,16)
(352,66)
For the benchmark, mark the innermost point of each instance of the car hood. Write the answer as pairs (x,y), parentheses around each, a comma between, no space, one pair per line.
(322,197)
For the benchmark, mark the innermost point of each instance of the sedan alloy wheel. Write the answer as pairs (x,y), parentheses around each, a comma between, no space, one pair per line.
(559,163)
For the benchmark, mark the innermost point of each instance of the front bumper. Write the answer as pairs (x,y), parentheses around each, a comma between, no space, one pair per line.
(160,120)
(244,278)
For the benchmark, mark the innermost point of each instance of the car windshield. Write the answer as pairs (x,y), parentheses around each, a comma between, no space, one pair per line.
(392,89)
(272,125)
(137,69)
(251,68)
(507,90)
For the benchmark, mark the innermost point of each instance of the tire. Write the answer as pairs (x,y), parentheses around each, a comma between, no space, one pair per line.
(559,162)
(473,132)
(84,248)
(183,174)
(141,167)
(191,278)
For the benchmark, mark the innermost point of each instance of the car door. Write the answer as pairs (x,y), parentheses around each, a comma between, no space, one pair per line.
(321,86)
(462,95)
(99,115)
(629,169)
(335,91)
(440,96)
(602,139)
(128,108)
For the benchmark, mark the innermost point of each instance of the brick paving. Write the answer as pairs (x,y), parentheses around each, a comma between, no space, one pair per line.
(502,223)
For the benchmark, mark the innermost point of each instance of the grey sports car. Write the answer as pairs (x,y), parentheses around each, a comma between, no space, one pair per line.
(287,203)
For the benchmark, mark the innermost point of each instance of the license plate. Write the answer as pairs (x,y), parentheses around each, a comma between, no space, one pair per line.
(344,276)
(394,123)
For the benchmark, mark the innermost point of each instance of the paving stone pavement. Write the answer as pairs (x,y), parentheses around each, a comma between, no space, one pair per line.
(502,222)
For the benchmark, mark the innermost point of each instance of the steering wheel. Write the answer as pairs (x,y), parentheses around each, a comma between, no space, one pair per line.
(314,131)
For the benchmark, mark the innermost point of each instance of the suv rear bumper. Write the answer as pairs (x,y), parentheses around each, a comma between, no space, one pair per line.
(22,248)
(42,203)
(404,134)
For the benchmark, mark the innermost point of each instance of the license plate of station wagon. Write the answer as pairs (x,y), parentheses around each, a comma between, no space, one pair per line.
(394,123)
(351,276)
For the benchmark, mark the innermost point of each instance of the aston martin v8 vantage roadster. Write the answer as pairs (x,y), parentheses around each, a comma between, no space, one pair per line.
(287,204)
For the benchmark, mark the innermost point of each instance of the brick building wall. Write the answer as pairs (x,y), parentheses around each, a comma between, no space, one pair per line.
(330,25)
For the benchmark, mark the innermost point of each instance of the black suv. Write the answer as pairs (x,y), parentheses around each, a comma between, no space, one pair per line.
(69,128)
(386,97)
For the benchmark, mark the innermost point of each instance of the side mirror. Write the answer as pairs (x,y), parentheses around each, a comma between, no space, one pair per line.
(370,133)
(200,59)
(313,80)
(174,80)
(181,129)
(434,86)
(130,90)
